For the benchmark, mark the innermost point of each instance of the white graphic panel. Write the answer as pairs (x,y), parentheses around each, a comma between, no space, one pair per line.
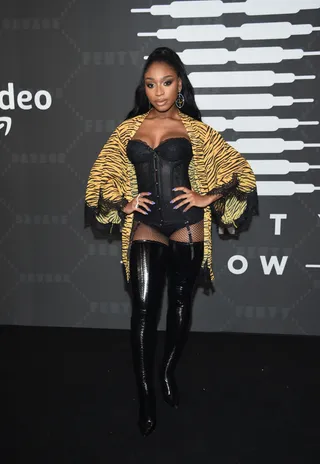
(244,98)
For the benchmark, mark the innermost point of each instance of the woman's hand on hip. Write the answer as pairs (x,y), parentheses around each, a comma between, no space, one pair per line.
(192,199)
(139,203)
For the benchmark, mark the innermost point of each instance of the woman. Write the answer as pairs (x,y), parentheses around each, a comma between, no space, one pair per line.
(163,176)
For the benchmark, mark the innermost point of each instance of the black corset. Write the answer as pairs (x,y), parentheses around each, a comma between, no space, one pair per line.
(158,171)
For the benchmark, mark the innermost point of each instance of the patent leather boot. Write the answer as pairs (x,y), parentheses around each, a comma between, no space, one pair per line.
(183,269)
(148,261)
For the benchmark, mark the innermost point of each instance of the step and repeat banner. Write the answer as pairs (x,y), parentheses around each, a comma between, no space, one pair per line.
(69,70)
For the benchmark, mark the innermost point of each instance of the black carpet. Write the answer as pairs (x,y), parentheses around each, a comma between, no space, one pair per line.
(68,396)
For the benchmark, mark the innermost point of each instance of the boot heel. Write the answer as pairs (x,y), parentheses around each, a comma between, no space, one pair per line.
(169,389)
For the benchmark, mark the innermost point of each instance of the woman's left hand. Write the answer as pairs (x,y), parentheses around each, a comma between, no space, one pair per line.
(192,198)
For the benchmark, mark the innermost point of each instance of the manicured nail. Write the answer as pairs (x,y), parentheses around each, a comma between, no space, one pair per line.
(149,193)
(153,202)
(175,207)
(173,189)
(171,201)
(149,209)
(146,212)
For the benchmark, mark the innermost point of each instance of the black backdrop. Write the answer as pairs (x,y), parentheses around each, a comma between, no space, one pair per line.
(77,64)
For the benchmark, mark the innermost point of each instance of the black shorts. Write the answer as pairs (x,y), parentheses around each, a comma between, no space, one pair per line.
(168,228)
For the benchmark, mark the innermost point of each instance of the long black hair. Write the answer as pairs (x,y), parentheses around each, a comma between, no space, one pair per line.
(166,55)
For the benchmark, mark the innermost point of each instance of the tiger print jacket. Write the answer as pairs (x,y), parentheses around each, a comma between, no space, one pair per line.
(216,167)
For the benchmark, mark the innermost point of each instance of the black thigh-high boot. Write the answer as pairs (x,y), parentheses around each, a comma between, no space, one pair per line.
(148,261)
(182,274)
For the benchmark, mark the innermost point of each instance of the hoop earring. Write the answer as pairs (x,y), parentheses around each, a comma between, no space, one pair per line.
(180,100)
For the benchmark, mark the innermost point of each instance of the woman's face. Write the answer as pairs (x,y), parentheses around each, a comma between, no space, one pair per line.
(162,86)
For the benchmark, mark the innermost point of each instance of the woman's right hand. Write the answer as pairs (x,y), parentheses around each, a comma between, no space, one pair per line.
(142,204)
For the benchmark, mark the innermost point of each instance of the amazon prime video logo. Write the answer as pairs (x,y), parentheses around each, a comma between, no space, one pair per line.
(24,100)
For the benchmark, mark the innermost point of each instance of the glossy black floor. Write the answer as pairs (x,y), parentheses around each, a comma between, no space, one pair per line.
(67,396)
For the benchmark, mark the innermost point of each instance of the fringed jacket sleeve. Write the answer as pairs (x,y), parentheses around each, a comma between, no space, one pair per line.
(104,197)
(231,175)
